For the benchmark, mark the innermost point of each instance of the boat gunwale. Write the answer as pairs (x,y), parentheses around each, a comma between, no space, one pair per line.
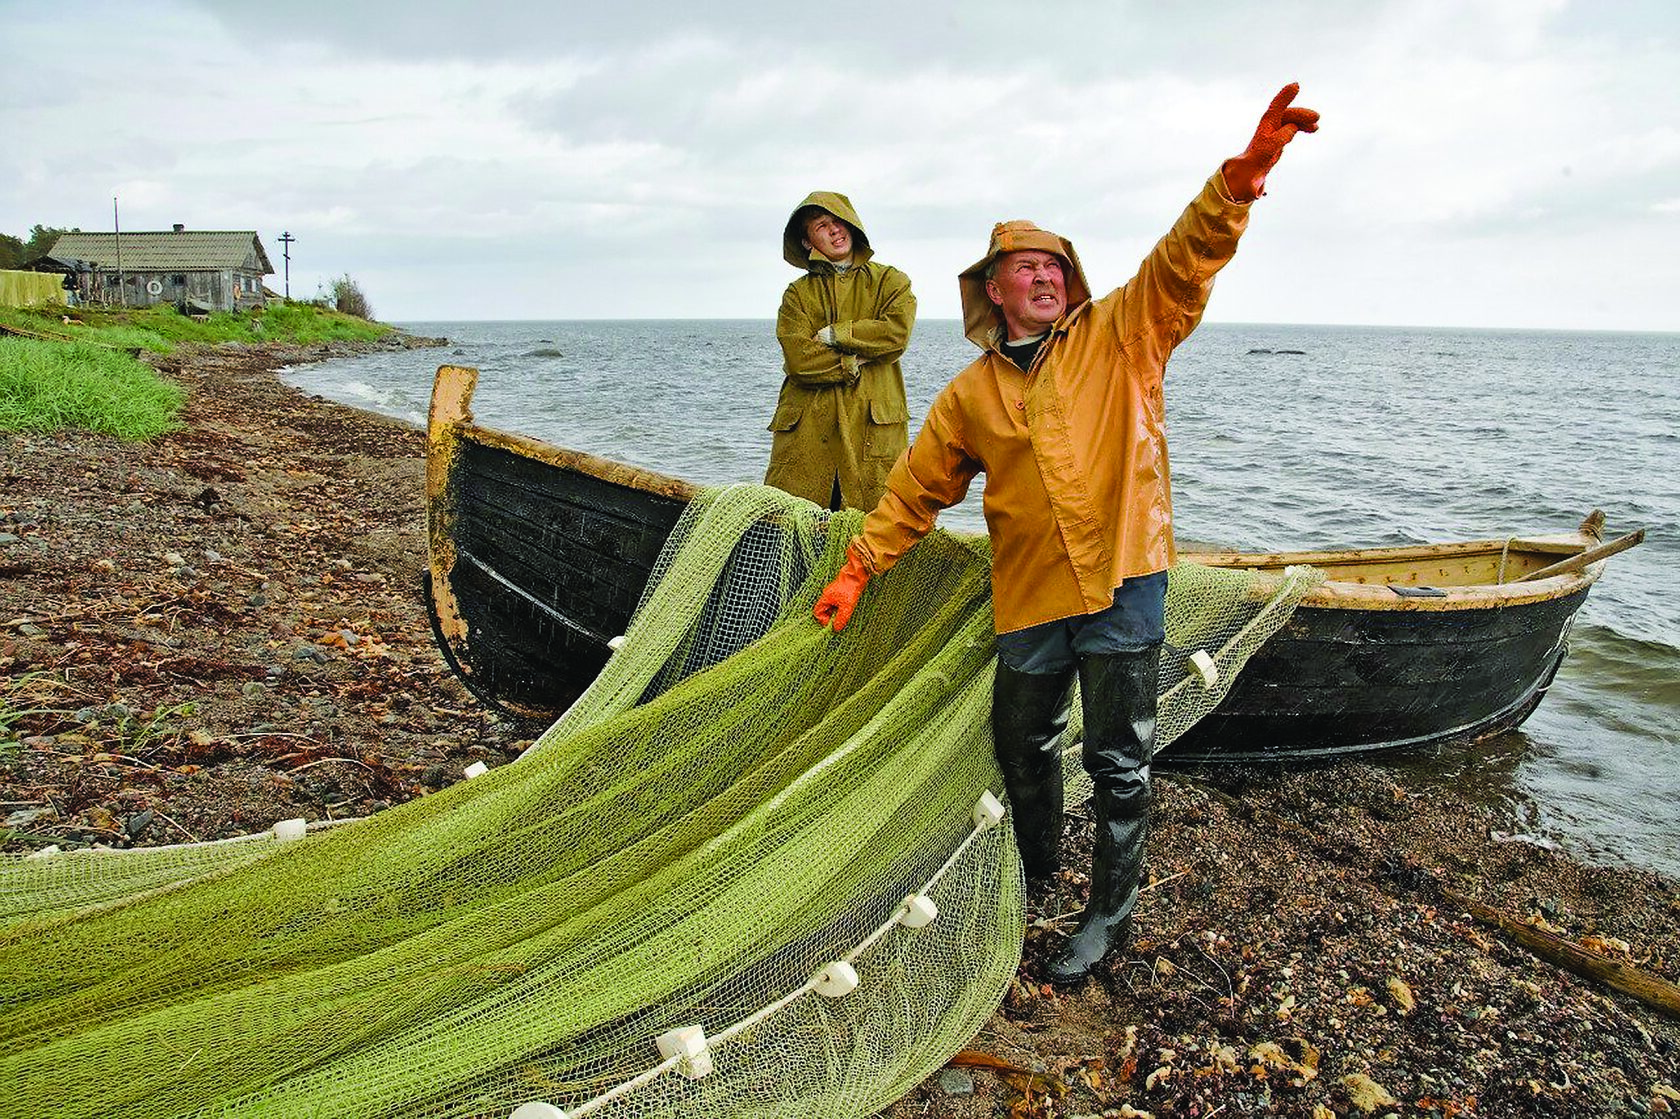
(1332,593)
(1346,594)
(581,462)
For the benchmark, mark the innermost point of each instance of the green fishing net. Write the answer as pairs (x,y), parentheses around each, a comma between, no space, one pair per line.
(755,870)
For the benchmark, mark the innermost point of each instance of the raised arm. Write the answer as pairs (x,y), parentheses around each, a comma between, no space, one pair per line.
(1245,174)
(1163,303)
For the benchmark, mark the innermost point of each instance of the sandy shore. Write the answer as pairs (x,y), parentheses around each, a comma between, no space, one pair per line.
(225,629)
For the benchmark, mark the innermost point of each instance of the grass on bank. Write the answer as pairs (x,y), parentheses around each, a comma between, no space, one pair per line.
(87,378)
(162,327)
(48,386)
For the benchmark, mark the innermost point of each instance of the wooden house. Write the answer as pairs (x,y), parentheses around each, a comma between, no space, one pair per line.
(219,270)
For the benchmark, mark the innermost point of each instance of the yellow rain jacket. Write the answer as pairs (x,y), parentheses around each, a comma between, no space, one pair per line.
(842,413)
(1077,497)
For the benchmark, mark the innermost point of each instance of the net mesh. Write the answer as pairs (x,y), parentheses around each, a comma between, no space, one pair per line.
(739,801)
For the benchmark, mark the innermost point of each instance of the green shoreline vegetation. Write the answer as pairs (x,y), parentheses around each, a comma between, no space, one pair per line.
(79,367)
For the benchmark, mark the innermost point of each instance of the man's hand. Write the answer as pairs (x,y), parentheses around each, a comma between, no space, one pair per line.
(1245,175)
(840,597)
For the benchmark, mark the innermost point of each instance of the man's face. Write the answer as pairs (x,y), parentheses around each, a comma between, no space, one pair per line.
(829,236)
(1029,288)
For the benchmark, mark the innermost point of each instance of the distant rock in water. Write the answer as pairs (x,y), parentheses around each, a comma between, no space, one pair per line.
(545,351)
(1289,351)
(1259,351)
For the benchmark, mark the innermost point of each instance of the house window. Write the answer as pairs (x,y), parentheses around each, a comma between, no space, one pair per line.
(179,280)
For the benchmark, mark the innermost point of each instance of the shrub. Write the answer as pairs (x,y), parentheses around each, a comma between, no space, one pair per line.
(348,298)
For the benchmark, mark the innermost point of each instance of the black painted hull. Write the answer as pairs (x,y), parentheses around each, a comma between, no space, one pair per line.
(1340,681)
(549,567)
(538,555)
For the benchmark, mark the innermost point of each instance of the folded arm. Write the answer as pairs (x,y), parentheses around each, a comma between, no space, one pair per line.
(804,358)
(886,335)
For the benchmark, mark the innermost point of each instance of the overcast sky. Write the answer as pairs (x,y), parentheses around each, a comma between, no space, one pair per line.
(1510,163)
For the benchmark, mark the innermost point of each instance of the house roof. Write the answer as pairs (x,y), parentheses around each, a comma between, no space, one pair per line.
(187,250)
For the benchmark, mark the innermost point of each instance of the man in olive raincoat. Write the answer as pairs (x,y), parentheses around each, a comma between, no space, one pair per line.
(841,420)
(1063,411)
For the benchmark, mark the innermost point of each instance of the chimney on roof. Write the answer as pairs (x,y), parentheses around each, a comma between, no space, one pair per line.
(179,227)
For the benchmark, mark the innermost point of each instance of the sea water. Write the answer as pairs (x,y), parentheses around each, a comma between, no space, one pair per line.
(1282,438)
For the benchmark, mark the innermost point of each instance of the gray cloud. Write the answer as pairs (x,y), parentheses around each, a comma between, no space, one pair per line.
(534,160)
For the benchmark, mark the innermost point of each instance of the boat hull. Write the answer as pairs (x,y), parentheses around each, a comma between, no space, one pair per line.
(1337,681)
(539,556)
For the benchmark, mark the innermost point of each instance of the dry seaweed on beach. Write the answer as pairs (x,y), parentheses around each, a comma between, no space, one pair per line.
(222,628)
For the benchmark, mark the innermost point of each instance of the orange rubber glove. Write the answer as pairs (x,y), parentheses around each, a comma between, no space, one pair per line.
(840,597)
(1245,175)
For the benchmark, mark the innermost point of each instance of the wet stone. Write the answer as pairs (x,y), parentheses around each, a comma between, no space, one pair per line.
(956,1082)
(23,817)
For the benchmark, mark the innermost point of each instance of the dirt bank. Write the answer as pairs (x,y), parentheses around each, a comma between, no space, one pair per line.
(223,629)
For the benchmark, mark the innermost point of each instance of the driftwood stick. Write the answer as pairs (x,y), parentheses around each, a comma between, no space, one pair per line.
(104,611)
(41,336)
(1652,990)
(1591,555)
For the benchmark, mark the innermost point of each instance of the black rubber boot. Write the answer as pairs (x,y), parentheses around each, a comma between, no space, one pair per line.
(1118,691)
(1029,713)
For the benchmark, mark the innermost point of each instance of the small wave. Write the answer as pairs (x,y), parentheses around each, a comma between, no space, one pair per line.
(1648,670)
(361,390)
(543,351)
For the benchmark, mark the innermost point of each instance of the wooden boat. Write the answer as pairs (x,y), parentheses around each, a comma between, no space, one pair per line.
(539,556)
(1404,647)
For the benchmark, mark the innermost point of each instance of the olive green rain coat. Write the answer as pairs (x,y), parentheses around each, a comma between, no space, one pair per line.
(1078,498)
(841,416)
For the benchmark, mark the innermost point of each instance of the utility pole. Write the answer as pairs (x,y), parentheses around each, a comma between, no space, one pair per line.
(286,239)
(122,295)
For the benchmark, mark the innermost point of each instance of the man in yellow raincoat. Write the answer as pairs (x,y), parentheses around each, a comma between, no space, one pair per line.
(841,420)
(1064,413)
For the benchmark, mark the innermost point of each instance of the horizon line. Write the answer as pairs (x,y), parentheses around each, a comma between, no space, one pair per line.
(952,319)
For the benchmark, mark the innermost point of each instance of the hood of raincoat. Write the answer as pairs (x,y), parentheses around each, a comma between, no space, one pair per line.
(981,317)
(793,234)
